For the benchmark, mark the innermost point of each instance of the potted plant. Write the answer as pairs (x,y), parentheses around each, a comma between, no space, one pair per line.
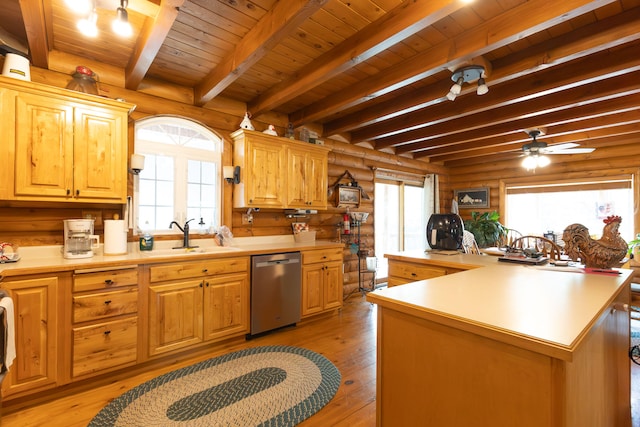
(486,228)
(634,250)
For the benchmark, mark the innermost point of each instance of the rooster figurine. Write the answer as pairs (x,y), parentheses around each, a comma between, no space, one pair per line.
(607,252)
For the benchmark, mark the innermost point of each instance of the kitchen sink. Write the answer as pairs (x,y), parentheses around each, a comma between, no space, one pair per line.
(185,252)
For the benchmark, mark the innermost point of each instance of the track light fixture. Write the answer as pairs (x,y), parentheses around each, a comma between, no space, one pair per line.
(121,24)
(88,23)
(468,74)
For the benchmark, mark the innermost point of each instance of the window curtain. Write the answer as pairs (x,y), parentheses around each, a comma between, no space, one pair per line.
(431,200)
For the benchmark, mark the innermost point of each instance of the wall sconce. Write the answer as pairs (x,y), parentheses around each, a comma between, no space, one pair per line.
(231,174)
(468,74)
(137,163)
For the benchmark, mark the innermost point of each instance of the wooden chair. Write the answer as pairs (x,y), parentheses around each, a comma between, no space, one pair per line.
(540,244)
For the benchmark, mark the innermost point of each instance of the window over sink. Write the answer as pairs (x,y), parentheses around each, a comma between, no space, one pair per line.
(182,175)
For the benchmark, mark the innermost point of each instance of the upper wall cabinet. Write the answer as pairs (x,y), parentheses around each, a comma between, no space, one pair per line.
(279,172)
(62,145)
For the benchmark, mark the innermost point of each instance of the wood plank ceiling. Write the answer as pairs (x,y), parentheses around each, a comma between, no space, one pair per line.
(376,72)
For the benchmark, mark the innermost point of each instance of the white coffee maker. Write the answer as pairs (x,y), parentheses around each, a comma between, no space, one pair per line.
(79,240)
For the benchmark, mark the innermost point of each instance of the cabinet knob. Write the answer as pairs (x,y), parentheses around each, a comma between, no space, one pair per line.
(206,284)
(107,302)
(413,274)
(77,193)
(107,332)
(205,270)
(109,282)
(200,285)
(68,191)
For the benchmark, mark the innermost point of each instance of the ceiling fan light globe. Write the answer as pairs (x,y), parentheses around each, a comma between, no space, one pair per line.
(529,162)
(543,161)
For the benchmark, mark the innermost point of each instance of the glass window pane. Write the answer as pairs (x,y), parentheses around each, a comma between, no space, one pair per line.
(208,173)
(164,193)
(193,171)
(414,218)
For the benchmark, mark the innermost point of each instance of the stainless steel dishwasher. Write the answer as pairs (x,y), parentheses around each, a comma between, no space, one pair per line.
(275,291)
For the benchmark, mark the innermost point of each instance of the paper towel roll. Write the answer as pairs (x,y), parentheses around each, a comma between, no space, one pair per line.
(115,237)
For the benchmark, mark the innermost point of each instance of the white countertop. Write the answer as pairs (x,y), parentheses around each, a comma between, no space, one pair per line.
(552,309)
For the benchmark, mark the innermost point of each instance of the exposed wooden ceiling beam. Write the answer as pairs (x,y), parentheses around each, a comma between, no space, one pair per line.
(150,41)
(278,23)
(510,101)
(393,27)
(590,39)
(574,112)
(37,23)
(516,23)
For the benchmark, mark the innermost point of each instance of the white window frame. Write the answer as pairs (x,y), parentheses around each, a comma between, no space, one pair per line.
(184,153)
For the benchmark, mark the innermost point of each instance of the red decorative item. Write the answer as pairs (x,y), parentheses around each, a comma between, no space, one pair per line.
(612,218)
(84,81)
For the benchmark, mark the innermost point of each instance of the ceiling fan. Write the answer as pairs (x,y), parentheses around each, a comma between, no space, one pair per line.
(535,151)
(536,147)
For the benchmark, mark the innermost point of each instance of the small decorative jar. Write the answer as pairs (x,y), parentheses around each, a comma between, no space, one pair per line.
(84,81)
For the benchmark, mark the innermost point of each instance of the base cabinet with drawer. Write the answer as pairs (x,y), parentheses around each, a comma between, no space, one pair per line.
(321,280)
(36,310)
(401,272)
(105,321)
(197,301)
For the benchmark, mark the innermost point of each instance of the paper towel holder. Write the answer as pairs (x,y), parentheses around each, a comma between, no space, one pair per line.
(137,163)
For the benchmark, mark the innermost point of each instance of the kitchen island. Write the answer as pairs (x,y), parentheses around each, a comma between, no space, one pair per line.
(503,345)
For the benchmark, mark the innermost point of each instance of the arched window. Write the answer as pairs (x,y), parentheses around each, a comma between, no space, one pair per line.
(182,174)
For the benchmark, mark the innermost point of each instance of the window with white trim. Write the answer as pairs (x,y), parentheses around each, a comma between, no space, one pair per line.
(182,175)
(538,208)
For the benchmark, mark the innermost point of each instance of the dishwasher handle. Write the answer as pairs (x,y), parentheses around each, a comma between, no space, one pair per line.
(276,262)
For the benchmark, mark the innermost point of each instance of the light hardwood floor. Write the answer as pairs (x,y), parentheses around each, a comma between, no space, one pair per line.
(346,338)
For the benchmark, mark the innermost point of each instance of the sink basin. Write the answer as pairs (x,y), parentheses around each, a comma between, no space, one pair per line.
(185,252)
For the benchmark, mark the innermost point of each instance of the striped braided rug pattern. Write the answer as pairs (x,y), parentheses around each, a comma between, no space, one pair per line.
(263,386)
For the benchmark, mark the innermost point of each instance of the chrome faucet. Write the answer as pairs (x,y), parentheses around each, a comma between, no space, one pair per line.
(185,230)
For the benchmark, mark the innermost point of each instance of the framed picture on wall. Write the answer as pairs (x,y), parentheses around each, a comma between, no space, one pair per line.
(470,198)
(348,196)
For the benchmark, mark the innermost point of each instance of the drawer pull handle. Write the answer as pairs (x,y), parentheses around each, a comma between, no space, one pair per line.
(205,270)
(108,302)
(324,257)
(413,274)
(107,332)
(109,282)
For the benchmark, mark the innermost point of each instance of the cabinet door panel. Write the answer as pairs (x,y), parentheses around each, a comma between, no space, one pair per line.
(175,316)
(36,335)
(44,147)
(266,179)
(333,286)
(312,293)
(316,180)
(98,161)
(226,308)
(296,169)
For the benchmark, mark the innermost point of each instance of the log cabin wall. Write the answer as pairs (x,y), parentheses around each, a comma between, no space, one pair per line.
(621,159)
(40,224)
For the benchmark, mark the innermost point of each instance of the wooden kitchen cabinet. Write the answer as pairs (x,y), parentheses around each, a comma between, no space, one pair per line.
(105,321)
(195,302)
(307,178)
(279,172)
(321,281)
(37,322)
(401,272)
(62,146)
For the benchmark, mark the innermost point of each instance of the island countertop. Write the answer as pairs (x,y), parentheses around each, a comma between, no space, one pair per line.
(544,309)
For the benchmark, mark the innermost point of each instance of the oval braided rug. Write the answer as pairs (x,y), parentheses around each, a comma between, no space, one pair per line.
(262,386)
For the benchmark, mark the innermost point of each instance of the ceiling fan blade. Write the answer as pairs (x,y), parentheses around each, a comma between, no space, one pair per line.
(560,147)
(571,151)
